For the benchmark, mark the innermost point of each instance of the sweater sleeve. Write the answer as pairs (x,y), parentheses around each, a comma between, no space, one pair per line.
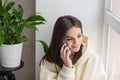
(94,69)
(66,73)
(48,72)
(100,73)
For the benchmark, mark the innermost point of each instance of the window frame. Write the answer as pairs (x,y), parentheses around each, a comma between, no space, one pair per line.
(113,21)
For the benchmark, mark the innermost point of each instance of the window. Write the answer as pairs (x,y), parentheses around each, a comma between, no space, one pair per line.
(111,43)
(114,54)
(115,7)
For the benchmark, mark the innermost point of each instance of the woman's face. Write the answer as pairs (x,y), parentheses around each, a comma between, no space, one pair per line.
(73,38)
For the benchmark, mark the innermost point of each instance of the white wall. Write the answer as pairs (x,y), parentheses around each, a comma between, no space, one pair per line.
(90,12)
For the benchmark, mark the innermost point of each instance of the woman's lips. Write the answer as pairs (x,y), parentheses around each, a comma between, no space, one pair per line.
(75,46)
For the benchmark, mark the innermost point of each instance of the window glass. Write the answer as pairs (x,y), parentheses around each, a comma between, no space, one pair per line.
(115,5)
(114,56)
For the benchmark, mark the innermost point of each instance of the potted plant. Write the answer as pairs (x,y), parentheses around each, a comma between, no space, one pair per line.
(12,25)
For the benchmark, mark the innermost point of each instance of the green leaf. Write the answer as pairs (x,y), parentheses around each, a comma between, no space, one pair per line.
(37,23)
(16,14)
(1,39)
(1,36)
(1,28)
(24,38)
(11,41)
(5,3)
(9,5)
(44,44)
(20,11)
(29,26)
(36,18)
(0,3)
(14,11)
(12,27)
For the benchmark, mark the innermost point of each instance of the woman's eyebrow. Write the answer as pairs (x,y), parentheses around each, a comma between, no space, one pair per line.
(68,37)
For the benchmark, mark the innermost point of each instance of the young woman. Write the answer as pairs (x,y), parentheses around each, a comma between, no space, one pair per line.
(67,57)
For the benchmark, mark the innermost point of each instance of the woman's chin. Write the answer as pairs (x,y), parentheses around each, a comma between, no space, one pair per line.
(75,50)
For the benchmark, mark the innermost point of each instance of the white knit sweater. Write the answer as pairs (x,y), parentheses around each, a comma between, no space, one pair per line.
(88,67)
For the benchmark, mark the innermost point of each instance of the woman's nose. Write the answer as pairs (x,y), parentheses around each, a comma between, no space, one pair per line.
(76,41)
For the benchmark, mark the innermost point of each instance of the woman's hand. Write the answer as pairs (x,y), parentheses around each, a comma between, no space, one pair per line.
(65,56)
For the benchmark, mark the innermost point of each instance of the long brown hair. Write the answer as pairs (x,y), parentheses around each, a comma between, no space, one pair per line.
(62,25)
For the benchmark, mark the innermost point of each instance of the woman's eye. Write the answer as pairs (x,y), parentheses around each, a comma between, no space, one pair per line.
(79,36)
(69,39)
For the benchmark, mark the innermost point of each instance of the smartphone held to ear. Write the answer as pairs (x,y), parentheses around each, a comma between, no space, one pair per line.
(65,45)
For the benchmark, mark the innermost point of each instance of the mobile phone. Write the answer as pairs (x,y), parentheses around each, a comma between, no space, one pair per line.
(65,45)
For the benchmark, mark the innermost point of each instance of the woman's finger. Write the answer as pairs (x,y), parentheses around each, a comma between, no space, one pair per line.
(68,52)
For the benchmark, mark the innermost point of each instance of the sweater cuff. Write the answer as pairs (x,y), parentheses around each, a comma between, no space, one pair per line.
(67,73)
(68,70)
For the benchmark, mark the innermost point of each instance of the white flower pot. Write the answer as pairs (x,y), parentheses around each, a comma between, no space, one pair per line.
(10,55)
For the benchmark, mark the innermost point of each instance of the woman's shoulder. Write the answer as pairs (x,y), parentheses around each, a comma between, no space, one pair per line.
(92,53)
(93,56)
(48,65)
(45,62)
(89,55)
